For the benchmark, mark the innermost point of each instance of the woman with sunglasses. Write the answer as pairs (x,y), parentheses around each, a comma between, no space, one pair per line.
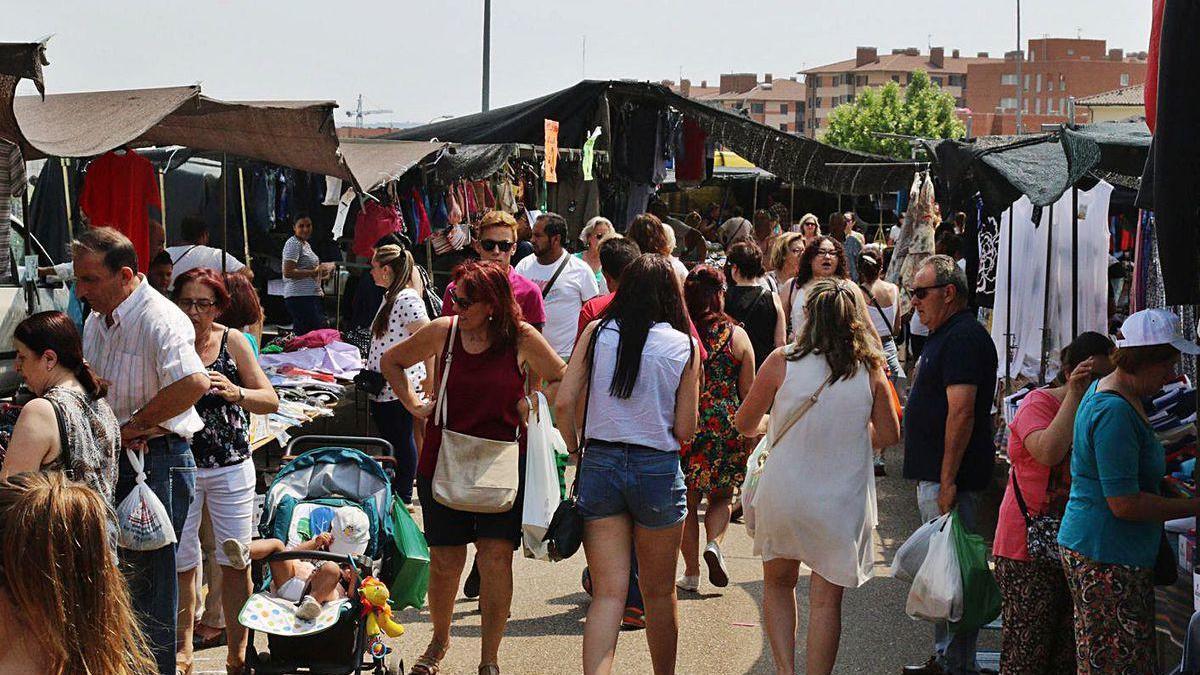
(400,316)
(594,233)
(225,474)
(484,397)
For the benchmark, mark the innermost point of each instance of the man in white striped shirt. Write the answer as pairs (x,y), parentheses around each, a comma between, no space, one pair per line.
(144,346)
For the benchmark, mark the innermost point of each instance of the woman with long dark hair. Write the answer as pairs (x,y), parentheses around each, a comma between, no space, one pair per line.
(750,303)
(635,378)
(830,402)
(70,399)
(715,459)
(823,258)
(400,316)
(484,368)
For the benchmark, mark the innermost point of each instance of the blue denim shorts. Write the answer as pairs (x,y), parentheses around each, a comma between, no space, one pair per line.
(616,478)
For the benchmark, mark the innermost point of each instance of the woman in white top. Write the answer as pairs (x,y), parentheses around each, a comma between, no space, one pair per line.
(303,273)
(401,314)
(815,501)
(883,301)
(823,258)
(636,381)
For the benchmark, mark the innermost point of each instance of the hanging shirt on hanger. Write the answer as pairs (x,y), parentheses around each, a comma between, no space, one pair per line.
(12,183)
(118,191)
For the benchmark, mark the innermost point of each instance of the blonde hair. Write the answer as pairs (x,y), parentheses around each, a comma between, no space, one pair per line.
(837,329)
(62,580)
(401,262)
(497,219)
(591,227)
(779,249)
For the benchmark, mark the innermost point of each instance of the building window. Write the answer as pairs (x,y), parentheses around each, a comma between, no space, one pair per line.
(957,80)
(1070,52)
(816,80)
(849,98)
(1025,105)
(1062,105)
(1009,79)
(937,81)
(1037,107)
(1026,81)
(1124,79)
(896,79)
(1009,103)
(860,81)
(1039,83)
(783,108)
(783,126)
(908,79)
(756,108)
(1049,106)
(1062,82)
(818,103)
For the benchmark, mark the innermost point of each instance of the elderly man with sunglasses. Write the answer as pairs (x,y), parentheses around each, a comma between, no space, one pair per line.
(948,446)
(496,243)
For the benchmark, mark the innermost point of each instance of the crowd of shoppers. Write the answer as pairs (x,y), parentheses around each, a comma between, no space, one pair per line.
(662,380)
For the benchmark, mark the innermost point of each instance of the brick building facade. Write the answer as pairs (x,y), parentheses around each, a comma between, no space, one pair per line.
(778,103)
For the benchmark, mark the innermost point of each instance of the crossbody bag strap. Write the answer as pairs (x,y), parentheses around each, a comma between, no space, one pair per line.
(883,314)
(439,414)
(64,450)
(561,266)
(1020,499)
(801,410)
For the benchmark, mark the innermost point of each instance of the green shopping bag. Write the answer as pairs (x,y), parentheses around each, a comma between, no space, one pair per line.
(412,560)
(981,595)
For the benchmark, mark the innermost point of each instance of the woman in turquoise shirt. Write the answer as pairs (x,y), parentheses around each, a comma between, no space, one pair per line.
(1112,528)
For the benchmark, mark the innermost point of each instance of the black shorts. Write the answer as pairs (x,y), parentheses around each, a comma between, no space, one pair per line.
(445,526)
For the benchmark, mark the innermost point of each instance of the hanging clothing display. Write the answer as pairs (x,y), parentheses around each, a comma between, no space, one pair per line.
(987,232)
(374,222)
(589,152)
(689,160)
(118,192)
(916,238)
(1029,311)
(12,184)
(48,206)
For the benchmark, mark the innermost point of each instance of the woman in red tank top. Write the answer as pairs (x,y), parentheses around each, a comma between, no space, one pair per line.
(485,388)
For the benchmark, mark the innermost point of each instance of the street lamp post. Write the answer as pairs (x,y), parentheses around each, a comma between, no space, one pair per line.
(487,51)
(1020,58)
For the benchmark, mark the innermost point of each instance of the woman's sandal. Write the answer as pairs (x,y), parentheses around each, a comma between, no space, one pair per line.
(430,662)
(489,669)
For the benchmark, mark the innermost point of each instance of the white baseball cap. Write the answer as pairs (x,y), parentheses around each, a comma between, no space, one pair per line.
(351,531)
(1155,327)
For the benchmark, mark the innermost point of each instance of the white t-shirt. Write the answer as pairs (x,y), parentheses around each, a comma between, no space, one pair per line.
(408,309)
(679,268)
(575,286)
(191,256)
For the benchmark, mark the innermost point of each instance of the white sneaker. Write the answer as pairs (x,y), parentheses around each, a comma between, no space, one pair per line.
(237,552)
(688,583)
(309,608)
(718,575)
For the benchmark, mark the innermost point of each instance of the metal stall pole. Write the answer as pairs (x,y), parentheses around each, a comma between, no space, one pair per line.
(245,227)
(224,212)
(1074,262)
(1046,299)
(62,162)
(1009,343)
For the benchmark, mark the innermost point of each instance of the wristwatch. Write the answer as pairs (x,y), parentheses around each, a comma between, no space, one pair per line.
(241,395)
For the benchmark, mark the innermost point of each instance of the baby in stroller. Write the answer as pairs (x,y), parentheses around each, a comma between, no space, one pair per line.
(308,585)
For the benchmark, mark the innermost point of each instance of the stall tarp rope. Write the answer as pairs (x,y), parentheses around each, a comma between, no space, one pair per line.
(296,134)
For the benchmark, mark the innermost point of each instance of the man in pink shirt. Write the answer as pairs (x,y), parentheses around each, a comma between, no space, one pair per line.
(496,243)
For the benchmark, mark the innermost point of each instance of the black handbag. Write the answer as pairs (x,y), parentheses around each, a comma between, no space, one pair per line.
(1041,531)
(564,535)
(370,382)
(1166,569)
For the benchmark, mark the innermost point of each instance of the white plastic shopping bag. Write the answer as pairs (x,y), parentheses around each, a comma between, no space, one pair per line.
(143,523)
(541,480)
(912,552)
(937,590)
(754,471)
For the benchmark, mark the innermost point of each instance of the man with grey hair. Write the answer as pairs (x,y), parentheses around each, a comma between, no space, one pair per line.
(948,445)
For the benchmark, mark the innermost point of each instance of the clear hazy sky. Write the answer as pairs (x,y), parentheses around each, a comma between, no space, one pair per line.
(422,59)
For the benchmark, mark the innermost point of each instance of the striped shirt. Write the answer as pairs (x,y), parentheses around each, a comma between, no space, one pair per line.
(150,346)
(301,253)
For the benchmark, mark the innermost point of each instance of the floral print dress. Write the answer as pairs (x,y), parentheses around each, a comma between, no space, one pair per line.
(715,459)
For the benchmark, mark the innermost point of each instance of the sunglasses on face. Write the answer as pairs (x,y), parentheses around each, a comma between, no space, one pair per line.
(921,291)
(187,305)
(490,245)
(462,303)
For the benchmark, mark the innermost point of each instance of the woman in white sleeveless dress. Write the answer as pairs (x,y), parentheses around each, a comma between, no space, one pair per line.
(815,502)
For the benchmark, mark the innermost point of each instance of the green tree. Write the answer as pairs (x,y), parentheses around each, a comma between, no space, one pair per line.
(922,109)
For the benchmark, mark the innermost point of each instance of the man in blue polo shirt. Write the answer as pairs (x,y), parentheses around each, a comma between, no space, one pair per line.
(948,446)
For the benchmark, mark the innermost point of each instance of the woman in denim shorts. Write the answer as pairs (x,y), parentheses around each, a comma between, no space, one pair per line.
(637,385)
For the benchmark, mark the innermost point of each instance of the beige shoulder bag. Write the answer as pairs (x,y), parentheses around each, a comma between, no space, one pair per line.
(473,474)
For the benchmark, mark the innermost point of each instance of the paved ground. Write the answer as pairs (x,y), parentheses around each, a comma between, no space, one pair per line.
(720,629)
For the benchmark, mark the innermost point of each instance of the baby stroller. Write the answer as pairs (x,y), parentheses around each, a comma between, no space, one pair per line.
(333,477)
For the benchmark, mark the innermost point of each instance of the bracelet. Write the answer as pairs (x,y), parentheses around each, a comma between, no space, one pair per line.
(241,395)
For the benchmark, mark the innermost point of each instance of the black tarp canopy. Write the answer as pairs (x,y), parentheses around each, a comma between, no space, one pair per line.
(801,161)
(1042,167)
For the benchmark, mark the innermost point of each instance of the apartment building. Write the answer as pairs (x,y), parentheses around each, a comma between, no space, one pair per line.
(832,85)
(1056,70)
(776,102)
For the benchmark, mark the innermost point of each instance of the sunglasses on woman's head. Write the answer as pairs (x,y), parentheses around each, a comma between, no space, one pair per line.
(921,291)
(490,245)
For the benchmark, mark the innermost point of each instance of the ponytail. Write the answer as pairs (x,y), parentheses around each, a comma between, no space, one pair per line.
(401,262)
(92,384)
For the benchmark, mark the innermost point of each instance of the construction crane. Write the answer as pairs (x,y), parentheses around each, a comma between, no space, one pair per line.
(358,112)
